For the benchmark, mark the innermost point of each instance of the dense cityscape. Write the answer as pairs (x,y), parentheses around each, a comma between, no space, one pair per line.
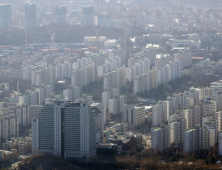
(110,84)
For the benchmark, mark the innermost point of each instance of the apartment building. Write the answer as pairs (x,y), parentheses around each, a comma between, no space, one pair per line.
(175,133)
(160,137)
(189,117)
(133,115)
(115,79)
(157,114)
(72,94)
(190,143)
(83,76)
(109,65)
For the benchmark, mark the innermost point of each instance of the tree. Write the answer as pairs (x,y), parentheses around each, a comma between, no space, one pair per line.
(193,155)
(39,167)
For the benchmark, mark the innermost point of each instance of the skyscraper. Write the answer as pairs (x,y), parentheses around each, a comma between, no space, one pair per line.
(60,15)
(5,16)
(88,16)
(65,129)
(30,15)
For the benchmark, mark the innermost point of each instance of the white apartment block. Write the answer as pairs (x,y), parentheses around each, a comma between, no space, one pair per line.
(181,101)
(24,99)
(106,96)
(204,139)
(121,103)
(188,115)
(87,99)
(39,74)
(153,79)
(68,94)
(173,118)
(217,96)
(137,69)
(190,140)
(163,75)
(172,105)
(60,71)
(108,66)
(72,94)
(163,60)
(6,129)
(149,54)
(166,110)
(49,89)
(208,109)
(157,115)
(33,111)
(195,94)
(160,137)
(207,120)
(115,79)
(197,115)
(141,83)
(175,133)
(113,106)
(22,115)
(157,138)
(188,102)
(133,115)
(83,76)
(98,59)
(77,92)
(33,98)
(41,95)
(115,92)
(80,63)
(212,134)
(109,94)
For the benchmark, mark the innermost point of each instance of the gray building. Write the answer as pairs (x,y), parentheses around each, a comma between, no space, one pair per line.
(30,15)
(5,16)
(65,129)
(60,15)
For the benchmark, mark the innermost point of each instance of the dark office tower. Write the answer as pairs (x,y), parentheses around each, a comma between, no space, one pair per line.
(30,15)
(60,15)
(88,15)
(5,16)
